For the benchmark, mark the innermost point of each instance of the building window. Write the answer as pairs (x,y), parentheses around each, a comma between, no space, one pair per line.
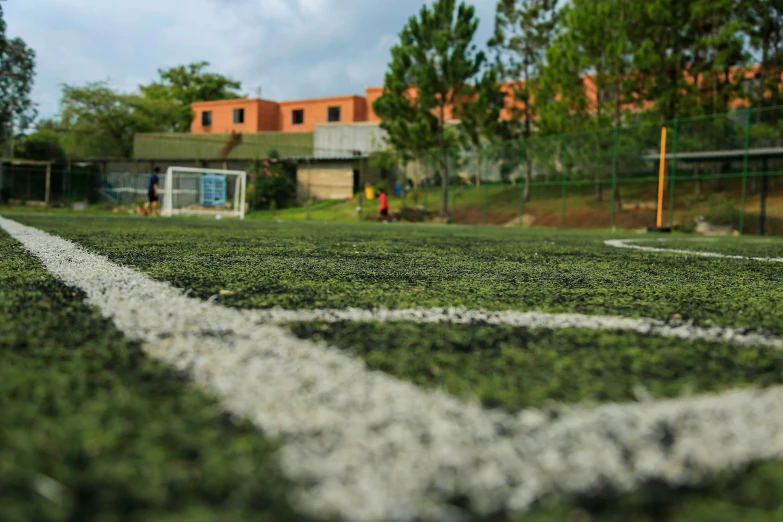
(334,114)
(206,119)
(297,116)
(239,116)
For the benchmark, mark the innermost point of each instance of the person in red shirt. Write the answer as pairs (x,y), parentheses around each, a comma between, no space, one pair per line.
(384,206)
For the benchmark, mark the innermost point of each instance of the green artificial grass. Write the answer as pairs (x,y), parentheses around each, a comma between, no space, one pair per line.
(309,265)
(746,247)
(752,495)
(335,265)
(90,429)
(516,368)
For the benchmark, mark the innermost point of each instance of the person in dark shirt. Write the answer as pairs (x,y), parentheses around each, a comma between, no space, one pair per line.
(152,192)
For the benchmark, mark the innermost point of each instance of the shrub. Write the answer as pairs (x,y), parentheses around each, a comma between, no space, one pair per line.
(717,210)
(272,184)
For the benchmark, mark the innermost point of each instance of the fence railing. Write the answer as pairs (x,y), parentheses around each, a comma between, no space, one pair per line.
(724,169)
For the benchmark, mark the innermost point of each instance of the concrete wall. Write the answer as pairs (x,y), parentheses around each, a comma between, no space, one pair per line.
(336,140)
(325,181)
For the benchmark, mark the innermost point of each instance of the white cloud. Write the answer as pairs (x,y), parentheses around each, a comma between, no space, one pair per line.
(292,48)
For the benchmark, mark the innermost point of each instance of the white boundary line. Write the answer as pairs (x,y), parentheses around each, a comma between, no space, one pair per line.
(372,448)
(626,243)
(644,326)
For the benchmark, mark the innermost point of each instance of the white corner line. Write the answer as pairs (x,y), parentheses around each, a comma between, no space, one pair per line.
(626,243)
(364,446)
(511,318)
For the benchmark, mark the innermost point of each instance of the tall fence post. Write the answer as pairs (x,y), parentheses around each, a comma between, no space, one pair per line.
(455,178)
(673,172)
(522,187)
(486,188)
(563,182)
(48,195)
(763,202)
(745,172)
(309,187)
(613,195)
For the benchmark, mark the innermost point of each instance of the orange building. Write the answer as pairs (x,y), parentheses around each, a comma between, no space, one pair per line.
(256,115)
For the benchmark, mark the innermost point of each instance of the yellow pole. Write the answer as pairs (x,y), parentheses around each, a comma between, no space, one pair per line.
(661,176)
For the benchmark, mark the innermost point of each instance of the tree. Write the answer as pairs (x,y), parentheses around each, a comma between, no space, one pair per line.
(523,32)
(17,71)
(99,121)
(663,42)
(718,48)
(188,84)
(764,27)
(429,73)
(480,118)
(45,144)
(589,75)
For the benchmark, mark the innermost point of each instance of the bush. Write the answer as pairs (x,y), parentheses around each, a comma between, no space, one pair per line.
(716,210)
(272,184)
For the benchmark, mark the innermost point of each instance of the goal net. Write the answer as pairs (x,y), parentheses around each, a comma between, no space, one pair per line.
(188,190)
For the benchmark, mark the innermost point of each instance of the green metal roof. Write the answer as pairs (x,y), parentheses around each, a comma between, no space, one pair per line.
(150,146)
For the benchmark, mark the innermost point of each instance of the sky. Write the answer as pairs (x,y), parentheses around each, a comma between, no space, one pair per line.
(290,49)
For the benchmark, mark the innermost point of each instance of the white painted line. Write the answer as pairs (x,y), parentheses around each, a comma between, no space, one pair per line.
(552,321)
(366,447)
(626,243)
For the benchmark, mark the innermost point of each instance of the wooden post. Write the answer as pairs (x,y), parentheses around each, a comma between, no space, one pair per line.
(48,195)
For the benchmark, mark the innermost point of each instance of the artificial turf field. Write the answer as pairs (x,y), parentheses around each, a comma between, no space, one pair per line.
(117,436)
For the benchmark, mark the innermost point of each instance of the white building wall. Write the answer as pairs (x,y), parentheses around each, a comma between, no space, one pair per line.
(340,140)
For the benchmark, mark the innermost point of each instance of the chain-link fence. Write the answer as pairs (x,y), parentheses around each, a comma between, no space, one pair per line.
(723,173)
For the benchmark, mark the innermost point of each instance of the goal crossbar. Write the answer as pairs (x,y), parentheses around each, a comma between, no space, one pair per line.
(240,184)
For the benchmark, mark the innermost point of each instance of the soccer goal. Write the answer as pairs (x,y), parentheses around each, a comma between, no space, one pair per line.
(189,190)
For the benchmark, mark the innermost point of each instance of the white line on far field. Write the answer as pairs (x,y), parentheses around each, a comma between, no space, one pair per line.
(626,243)
(644,326)
(364,446)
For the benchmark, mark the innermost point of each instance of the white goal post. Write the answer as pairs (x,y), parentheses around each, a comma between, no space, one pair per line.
(190,190)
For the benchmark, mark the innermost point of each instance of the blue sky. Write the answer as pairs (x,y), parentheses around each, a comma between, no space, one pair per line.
(290,48)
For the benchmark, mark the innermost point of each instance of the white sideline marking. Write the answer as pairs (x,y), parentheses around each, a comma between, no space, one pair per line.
(644,326)
(368,447)
(625,243)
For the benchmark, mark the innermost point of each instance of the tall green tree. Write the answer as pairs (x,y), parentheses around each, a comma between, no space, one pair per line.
(186,84)
(481,126)
(100,121)
(764,28)
(44,144)
(430,71)
(17,72)
(718,50)
(523,31)
(662,42)
(589,73)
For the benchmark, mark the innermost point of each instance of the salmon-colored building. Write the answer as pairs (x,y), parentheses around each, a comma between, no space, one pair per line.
(256,115)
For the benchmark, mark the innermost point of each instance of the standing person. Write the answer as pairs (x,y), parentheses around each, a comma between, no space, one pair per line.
(152,192)
(384,206)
